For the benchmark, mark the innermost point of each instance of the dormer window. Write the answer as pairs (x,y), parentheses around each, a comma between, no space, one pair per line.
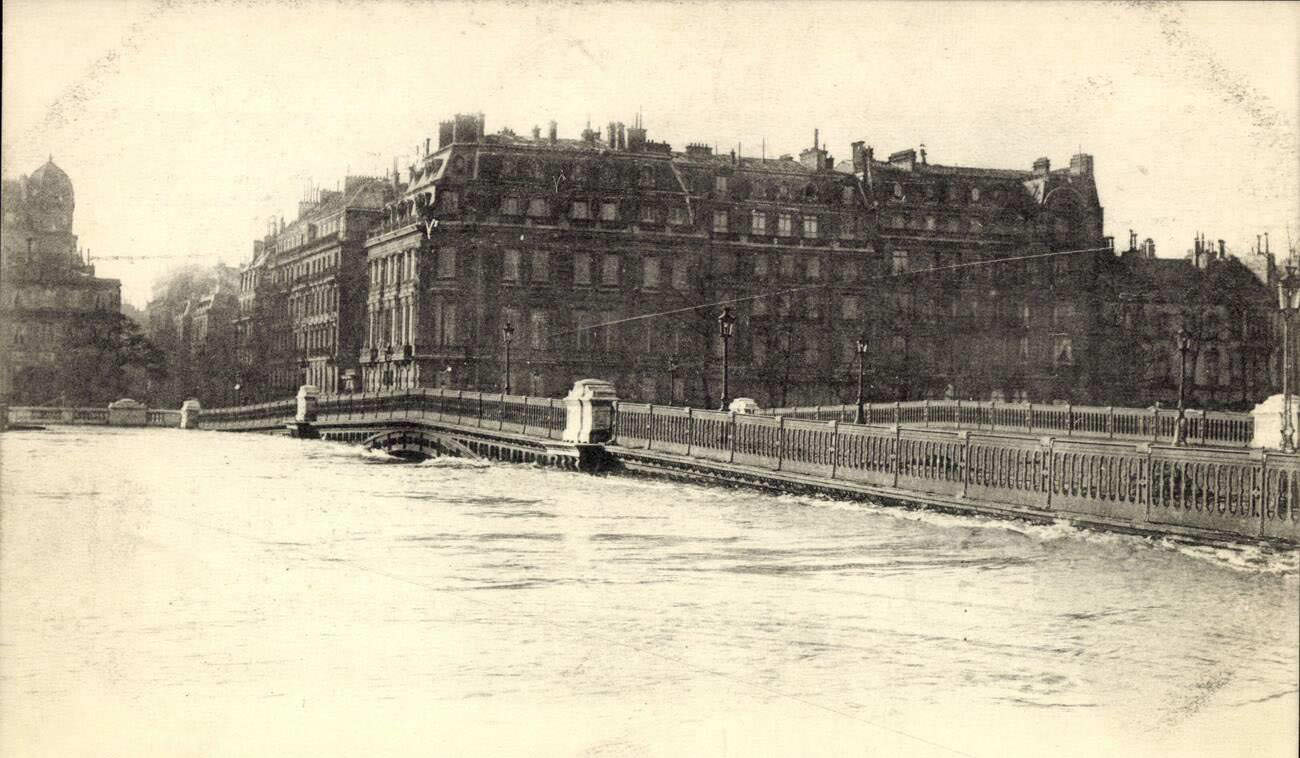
(608,211)
(974,194)
(719,221)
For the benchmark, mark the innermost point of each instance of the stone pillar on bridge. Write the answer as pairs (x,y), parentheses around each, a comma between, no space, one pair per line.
(190,410)
(589,410)
(745,405)
(1268,421)
(304,421)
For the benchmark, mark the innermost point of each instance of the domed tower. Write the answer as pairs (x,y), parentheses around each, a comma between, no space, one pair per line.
(50,199)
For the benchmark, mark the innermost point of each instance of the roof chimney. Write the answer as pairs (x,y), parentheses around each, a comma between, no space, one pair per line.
(552,131)
(622,137)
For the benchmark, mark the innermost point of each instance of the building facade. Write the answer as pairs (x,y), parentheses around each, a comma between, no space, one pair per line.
(47,290)
(508,262)
(302,297)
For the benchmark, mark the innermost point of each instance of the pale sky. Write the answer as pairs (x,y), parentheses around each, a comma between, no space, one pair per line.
(185,125)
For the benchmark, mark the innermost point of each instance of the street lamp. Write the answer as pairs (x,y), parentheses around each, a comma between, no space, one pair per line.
(861,349)
(1288,302)
(238,387)
(508,334)
(388,366)
(1180,428)
(726,328)
(672,378)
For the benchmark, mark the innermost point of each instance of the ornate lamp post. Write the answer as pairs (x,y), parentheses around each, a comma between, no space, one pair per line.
(1288,302)
(726,328)
(1183,341)
(861,349)
(388,366)
(508,334)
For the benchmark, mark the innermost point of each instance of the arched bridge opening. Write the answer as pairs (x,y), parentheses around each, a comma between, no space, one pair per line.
(417,444)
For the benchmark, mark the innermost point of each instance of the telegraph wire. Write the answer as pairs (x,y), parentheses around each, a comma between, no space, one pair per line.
(789,290)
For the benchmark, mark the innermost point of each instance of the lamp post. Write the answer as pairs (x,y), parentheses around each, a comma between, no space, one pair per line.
(1180,425)
(672,379)
(861,349)
(508,334)
(388,366)
(726,328)
(1288,302)
(238,387)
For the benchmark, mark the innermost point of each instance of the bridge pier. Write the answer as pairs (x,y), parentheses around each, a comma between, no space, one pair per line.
(303,425)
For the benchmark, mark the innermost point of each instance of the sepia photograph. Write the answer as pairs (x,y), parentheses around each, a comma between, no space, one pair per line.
(646,378)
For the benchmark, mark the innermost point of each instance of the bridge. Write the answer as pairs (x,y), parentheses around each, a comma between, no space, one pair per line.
(1114,469)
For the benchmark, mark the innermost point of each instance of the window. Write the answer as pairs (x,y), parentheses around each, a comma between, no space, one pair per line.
(810,226)
(582,268)
(608,211)
(974,194)
(719,220)
(760,266)
(759,350)
(785,224)
(510,206)
(899,221)
(447,263)
(510,266)
(580,210)
(758,222)
(953,225)
(720,184)
(649,214)
(814,268)
(930,223)
(537,330)
(647,177)
(538,207)
(759,306)
(900,262)
(677,216)
(848,227)
(849,271)
(609,271)
(650,273)
(1025,315)
(541,266)
(681,275)
(787,266)
(898,190)
(1062,351)
(849,307)
(846,195)
(450,202)
(725,263)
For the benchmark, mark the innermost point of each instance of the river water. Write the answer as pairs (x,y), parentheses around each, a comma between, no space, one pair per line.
(194,593)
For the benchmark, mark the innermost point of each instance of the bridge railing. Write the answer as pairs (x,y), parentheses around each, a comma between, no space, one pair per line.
(40,415)
(1252,493)
(1217,428)
(539,416)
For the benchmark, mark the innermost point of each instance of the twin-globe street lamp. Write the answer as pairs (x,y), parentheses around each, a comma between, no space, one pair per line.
(1288,302)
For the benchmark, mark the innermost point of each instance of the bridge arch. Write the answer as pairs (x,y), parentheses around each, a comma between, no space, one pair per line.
(410,444)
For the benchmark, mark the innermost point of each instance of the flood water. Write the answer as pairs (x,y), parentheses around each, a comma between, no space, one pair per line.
(178,593)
